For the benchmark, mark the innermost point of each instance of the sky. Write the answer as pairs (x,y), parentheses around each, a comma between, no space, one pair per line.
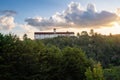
(29,16)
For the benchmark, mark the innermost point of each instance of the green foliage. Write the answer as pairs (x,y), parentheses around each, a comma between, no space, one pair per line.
(18,58)
(74,64)
(25,37)
(60,58)
(31,60)
(89,74)
(96,73)
(112,73)
(99,47)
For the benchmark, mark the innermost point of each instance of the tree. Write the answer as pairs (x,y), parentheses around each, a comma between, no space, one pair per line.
(25,37)
(95,73)
(88,74)
(112,73)
(78,34)
(84,33)
(92,32)
(74,64)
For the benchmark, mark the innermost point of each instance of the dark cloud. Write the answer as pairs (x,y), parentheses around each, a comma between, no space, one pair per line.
(38,22)
(8,12)
(56,20)
(89,17)
(75,15)
(92,19)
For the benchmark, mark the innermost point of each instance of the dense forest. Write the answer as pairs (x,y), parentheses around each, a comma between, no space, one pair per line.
(83,57)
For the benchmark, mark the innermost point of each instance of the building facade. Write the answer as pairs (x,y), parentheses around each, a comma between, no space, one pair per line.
(43,35)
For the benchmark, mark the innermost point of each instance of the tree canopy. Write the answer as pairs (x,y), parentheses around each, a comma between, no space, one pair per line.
(60,58)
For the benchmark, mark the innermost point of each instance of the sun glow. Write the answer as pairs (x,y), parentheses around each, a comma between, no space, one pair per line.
(115,29)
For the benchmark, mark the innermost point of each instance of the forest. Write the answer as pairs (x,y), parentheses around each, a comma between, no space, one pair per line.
(87,56)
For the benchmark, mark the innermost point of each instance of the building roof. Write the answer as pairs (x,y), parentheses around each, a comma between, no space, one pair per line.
(54,33)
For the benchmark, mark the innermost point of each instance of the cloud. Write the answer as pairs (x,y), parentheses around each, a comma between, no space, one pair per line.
(118,11)
(55,20)
(6,22)
(91,17)
(25,29)
(8,12)
(7,19)
(75,16)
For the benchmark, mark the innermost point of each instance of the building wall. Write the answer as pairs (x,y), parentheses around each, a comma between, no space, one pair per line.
(43,36)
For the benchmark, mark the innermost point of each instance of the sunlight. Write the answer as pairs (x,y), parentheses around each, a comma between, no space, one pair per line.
(115,29)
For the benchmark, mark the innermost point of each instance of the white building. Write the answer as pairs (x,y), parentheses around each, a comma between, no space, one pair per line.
(43,35)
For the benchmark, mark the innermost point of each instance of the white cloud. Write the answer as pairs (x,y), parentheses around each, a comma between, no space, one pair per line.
(8,25)
(6,22)
(74,16)
(118,11)
(7,19)
(25,29)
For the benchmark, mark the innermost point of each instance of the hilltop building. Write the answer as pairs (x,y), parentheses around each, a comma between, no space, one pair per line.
(43,35)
